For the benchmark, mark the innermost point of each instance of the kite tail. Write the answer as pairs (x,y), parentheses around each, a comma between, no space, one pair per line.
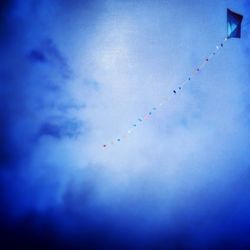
(169,97)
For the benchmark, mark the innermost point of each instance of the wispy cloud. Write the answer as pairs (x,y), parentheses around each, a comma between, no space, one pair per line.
(79,76)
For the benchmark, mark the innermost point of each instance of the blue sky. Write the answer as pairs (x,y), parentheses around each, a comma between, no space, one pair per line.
(77,74)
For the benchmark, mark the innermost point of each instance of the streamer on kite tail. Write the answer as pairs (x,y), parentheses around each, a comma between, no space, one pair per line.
(233,31)
(167,98)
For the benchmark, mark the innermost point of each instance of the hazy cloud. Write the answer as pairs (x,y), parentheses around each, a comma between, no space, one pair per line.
(77,75)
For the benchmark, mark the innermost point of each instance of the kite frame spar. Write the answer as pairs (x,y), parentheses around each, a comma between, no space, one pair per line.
(232,18)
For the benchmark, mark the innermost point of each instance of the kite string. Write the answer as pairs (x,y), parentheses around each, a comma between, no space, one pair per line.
(168,98)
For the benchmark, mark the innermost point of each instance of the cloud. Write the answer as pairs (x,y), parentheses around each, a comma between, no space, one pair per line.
(59,129)
(80,76)
(37,55)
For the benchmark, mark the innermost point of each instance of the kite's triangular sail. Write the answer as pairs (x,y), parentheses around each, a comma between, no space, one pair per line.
(233,24)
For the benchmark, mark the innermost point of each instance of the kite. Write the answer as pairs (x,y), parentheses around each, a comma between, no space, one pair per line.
(233,24)
(234,21)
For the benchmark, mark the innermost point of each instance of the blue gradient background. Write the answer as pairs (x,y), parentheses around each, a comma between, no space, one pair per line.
(77,74)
